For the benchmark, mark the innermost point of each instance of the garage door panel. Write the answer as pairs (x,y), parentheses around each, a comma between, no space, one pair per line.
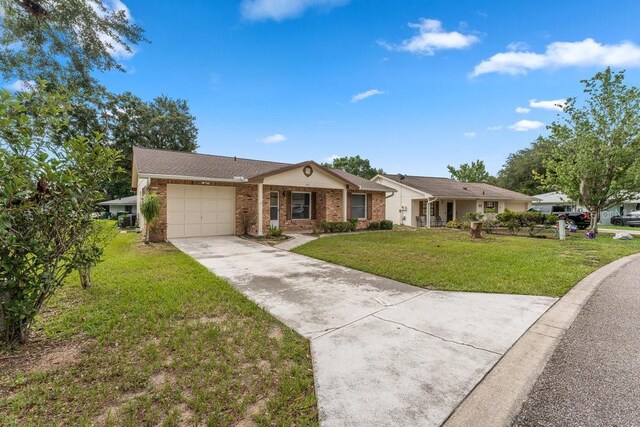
(192,191)
(175,217)
(200,210)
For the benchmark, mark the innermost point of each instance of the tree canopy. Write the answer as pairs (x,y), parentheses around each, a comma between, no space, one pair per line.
(473,172)
(522,169)
(355,165)
(63,41)
(595,146)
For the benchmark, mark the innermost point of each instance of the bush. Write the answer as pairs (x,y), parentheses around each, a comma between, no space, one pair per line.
(274,231)
(374,225)
(473,216)
(458,224)
(338,226)
(386,225)
(534,222)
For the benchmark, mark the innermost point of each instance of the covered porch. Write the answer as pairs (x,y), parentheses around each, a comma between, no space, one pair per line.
(437,212)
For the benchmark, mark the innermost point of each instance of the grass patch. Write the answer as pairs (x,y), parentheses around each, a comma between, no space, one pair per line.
(619,227)
(449,260)
(158,340)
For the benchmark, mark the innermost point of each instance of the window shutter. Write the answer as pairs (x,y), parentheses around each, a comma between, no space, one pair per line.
(313,205)
(287,205)
(369,206)
(348,205)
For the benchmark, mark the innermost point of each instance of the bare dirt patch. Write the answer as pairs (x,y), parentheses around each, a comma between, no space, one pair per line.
(275,333)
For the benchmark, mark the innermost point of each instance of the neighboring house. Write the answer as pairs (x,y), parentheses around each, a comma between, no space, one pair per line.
(430,201)
(126,204)
(556,198)
(207,195)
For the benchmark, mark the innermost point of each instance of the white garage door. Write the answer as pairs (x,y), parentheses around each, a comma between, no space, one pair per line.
(199,210)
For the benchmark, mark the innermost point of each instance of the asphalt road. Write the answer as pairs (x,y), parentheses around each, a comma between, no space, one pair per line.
(593,378)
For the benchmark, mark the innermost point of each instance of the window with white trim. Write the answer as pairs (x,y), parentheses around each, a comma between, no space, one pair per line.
(300,205)
(359,206)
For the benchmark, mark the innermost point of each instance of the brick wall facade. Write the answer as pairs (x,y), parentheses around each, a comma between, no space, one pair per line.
(328,207)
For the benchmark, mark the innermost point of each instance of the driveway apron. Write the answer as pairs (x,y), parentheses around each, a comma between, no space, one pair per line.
(384,352)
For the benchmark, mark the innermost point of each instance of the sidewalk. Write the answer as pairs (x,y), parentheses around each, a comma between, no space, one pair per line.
(593,377)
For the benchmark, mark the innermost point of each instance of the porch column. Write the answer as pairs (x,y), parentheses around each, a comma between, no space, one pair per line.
(260,207)
(345,194)
(454,210)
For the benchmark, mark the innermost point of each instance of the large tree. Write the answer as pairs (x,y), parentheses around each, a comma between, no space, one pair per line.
(522,169)
(48,191)
(595,157)
(63,41)
(473,172)
(355,165)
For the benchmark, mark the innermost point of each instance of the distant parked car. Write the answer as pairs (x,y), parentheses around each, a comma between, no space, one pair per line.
(632,219)
(581,220)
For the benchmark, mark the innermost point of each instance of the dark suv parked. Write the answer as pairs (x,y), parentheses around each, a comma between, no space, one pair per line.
(582,220)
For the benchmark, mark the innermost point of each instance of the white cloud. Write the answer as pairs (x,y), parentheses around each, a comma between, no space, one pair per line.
(21,85)
(470,134)
(431,38)
(585,53)
(517,46)
(495,128)
(278,10)
(331,158)
(115,48)
(526,125)
(522,110)
(364,95)
(273,139)
(554,104)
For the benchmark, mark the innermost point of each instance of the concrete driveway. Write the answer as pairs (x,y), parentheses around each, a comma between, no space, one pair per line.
(384,352)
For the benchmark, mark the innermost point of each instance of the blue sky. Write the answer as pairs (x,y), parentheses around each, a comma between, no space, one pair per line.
(280,79)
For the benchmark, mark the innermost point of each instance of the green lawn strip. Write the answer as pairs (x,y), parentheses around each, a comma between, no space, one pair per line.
(449,260)
(158,340)
(619,227)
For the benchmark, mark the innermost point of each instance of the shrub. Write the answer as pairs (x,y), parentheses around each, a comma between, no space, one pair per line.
(473,216)
(386,225)
(374,225)
(534,222)
(458,224)
(150,210)
(338,226)
(274,231)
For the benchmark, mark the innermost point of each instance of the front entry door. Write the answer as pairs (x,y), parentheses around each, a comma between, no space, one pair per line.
(449,211)
(274,209)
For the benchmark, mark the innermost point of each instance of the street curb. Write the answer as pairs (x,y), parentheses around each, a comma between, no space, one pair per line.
(498,398)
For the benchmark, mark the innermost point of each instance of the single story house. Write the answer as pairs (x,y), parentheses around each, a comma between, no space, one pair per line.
(208,195)
(125,204)
(556,198)
(431,201)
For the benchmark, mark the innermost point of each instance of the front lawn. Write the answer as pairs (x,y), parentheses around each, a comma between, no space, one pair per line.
(449,260)
(619,227)
(158,340)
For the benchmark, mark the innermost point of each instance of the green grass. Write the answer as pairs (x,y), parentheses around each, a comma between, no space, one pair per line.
(158,340)
(449,260)
(619,227)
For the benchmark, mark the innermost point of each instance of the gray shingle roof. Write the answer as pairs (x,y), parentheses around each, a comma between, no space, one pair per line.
(180,164)
(446,187)
(131,200)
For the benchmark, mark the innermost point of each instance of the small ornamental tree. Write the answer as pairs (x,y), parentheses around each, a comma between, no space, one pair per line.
(594,157)
(150,209)
(48,191)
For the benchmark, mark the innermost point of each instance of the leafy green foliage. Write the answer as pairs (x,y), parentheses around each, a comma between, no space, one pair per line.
(355,165)
(521,170)
(338,226)
(473,172)
(534,222)
(374,225)
(48,192)
(596,144)
(63,41)
(273,231)
(91,249)
(458,224)
(386,225)
(150,210)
